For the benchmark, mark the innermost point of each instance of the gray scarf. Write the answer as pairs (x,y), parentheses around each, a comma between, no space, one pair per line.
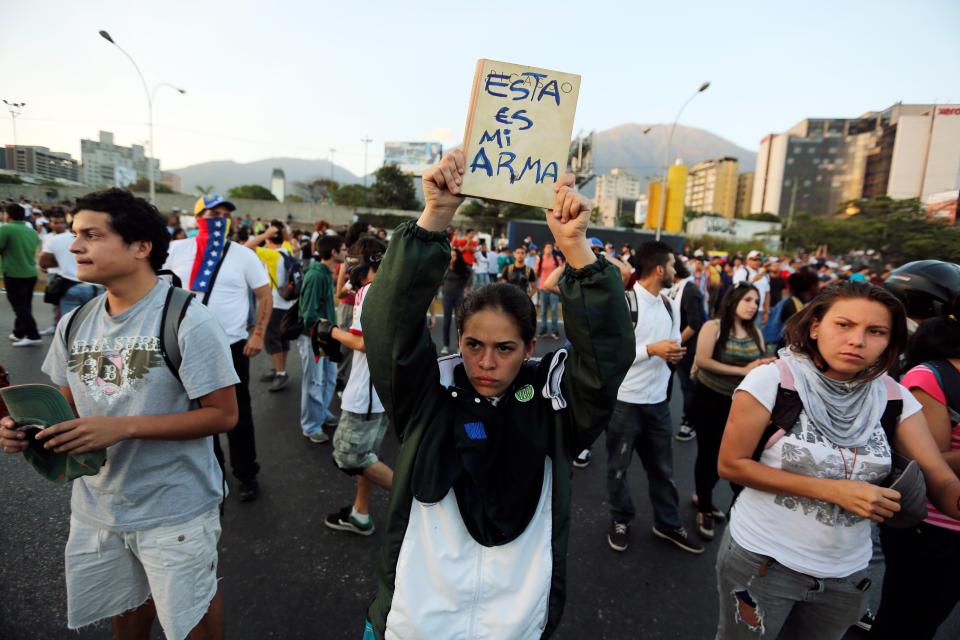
(846,413)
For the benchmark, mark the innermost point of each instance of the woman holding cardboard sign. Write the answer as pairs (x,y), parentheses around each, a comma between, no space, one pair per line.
(476,536)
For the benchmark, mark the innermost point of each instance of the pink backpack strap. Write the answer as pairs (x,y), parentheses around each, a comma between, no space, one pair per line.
(893,389)
(786,375)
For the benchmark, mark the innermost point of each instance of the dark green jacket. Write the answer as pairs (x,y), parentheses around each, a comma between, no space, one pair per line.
(316,295)
(405,372)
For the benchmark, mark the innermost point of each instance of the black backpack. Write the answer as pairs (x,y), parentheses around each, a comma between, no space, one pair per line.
(787,408)
(293,277)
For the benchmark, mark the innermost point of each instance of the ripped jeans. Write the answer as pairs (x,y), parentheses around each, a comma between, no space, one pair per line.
(761,598)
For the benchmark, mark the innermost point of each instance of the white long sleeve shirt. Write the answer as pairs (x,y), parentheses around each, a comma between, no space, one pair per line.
(646,381)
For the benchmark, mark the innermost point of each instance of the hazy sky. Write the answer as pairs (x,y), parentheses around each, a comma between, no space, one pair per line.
(286,78)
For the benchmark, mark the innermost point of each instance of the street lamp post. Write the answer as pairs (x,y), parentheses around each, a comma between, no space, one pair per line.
(366,141)
(666,160)
(150,96)
(332,151)
(15,109)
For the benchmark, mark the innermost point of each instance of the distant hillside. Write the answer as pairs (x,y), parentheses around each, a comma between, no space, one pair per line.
(223,174)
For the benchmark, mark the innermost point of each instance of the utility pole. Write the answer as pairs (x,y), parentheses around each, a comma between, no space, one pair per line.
(332,151)
(365,142)
(15,109)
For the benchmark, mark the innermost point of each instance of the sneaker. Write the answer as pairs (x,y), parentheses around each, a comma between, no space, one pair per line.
(49,331)
(678,537)
(866,621)
(28,342)
(320,438)
(541,334)
(618,536)
(716,513)
(269,376)
(685,433)
(444,351)
(555,335)
(705,525)
(279,382)
(582,460)
(12,337)
(343,521)
(249,491)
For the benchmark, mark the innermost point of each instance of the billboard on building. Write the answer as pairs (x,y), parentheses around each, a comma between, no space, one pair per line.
(412,157)
(942,206)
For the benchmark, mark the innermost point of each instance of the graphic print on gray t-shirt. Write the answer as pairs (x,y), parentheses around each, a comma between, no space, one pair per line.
(871,464)
(114,368)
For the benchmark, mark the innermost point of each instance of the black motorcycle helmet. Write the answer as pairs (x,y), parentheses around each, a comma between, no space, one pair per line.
(925,287)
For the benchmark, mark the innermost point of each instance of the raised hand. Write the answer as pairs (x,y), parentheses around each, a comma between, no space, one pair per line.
(568,221)
(441,188)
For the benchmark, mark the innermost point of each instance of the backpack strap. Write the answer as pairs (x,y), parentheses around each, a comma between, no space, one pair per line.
(891,413)
(76,321)
(174,309)
(633,306)
(949,380)
(666,305)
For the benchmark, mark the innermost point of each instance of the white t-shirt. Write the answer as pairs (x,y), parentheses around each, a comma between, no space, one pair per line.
(479,262)
(763,288)
(58,244)
(810,536)
(240,273)
(744,273)
(359,396)
(647,379)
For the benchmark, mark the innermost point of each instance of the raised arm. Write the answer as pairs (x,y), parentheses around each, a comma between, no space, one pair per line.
(401,354)
(596,321)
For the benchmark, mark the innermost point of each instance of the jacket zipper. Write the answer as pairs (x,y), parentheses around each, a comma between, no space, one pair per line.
(476,594)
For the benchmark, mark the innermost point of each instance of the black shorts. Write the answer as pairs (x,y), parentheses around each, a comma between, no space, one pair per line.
(272,342)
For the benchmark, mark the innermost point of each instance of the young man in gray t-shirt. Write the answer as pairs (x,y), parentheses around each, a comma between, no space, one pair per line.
(144,529)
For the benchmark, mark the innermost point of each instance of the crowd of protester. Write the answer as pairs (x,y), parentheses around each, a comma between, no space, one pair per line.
(787,367)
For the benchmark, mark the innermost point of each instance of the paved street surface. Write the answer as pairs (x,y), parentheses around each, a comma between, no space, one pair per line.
(285,575)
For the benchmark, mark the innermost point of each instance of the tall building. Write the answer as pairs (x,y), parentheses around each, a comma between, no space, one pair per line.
(277,184)
(676,191)
(744,194)
(673,207)
(106,164)
(617,193)
(712,186)
(904,151)
(40,162)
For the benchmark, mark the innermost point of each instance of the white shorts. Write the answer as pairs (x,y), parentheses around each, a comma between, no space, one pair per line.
(109,573)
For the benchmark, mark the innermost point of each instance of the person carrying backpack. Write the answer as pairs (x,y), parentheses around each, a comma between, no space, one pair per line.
(803,284)
(920,585)
(793,561)
(728,348)
(286,281)
(519,274)
(144,527)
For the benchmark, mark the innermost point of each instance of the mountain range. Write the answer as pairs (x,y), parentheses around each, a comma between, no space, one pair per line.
(626,146)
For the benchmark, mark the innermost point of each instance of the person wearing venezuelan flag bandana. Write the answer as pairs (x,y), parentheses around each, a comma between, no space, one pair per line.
(222,274)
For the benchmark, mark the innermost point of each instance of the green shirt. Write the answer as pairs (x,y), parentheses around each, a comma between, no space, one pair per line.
(18,247)
(316,298)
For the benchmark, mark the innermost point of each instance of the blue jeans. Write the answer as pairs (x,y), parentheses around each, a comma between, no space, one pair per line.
(318,382)
(646,429)
(76,296)
(548,302)
(480,279)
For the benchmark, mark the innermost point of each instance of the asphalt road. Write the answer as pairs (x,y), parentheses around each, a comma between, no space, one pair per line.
(285,575)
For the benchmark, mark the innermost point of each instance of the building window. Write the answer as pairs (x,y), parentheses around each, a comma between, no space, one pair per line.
(807,183)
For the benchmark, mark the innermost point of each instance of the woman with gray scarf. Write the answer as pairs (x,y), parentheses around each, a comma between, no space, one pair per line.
(793,561)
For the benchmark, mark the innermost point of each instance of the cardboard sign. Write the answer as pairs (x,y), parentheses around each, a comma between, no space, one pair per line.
(518,132)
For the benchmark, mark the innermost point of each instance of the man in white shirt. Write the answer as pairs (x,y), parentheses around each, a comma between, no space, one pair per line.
(56,259)
(641,417)
(222,274)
